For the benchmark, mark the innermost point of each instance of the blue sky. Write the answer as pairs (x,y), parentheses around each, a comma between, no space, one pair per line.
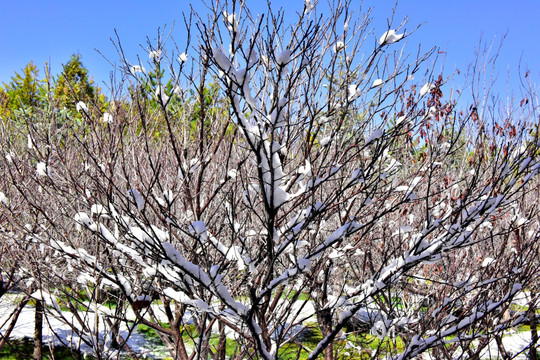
(50,31)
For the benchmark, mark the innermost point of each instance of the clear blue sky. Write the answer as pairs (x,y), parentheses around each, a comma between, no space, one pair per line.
(50,31)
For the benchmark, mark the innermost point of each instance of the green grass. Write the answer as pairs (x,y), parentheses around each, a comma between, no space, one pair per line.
(301,297)
(150,334)
(23,350)
(521,308)
(294,349)
(524,328)
(188,336)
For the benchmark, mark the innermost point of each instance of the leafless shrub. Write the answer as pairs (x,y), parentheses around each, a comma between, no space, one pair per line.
(307,181)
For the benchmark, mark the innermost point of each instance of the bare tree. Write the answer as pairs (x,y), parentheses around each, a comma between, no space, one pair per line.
(283,181)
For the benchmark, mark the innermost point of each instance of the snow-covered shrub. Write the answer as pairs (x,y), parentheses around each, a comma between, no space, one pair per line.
(308,182)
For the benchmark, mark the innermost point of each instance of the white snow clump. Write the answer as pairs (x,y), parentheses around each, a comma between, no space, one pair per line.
(377,83)
(155,55)
(183,57)
(137,68)
(42,169)
(390,37)
(376,134)
(309,6)
(284,57)
(3,199)
(81,106)
(426,89)
(107,118)
(340,45)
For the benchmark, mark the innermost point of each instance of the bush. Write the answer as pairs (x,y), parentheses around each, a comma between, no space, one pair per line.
(318,167)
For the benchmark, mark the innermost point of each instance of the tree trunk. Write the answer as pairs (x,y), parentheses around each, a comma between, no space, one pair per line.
(533,324)
(115,326)
(324,317)
(222,345)
(14,317)
(502,351)
(38,331)
(180,348)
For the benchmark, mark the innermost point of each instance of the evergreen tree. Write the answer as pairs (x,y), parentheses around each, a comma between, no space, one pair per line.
(73,85)
(22,91)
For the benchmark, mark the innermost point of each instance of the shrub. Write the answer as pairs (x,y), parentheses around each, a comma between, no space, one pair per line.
(320,183)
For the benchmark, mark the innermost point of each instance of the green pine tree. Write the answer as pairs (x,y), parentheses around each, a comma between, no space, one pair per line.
(73,85)
(21,92)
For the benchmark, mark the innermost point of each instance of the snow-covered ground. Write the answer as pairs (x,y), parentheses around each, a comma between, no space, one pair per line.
(58,331)
(514,343)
